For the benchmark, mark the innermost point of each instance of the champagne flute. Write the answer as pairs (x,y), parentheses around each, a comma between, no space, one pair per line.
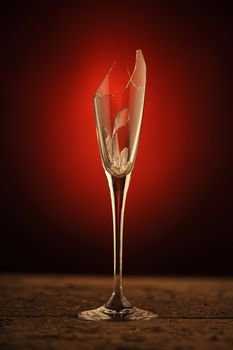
(118,105)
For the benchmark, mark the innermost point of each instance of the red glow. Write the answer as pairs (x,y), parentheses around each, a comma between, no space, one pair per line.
(60,165)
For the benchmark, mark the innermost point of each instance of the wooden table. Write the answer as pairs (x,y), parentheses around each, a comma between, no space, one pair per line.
(40,312)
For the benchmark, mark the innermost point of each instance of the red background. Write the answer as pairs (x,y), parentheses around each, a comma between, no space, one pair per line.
(56,214)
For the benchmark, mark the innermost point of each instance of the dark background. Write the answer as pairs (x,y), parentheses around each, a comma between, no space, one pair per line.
(55,206)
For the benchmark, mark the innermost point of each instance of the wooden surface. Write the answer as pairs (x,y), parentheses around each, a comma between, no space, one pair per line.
(40,312)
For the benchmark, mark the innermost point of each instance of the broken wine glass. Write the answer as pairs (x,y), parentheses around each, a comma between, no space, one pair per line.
(118,105)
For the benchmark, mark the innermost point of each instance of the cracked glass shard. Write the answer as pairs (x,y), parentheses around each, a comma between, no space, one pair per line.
(118,111)
(108,142)
(116,157)
(124,156)
(122,118)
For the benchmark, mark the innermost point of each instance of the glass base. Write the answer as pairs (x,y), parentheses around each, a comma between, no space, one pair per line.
(104,314)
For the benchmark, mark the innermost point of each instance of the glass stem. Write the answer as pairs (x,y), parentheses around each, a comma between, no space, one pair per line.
(118,191)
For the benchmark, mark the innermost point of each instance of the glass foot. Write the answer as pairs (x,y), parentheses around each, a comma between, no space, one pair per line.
(104,314)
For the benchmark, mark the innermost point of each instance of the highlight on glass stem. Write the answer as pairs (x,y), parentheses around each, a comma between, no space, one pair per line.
(118,105)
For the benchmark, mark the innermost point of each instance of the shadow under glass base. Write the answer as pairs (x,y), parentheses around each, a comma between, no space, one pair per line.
(103,313)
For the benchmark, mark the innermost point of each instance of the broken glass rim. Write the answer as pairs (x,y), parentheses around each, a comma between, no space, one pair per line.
(138,52)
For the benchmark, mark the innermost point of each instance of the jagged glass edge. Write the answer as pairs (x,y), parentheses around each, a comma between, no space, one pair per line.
(138,54)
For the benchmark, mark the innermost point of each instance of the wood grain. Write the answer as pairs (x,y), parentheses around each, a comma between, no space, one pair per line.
(40,312)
